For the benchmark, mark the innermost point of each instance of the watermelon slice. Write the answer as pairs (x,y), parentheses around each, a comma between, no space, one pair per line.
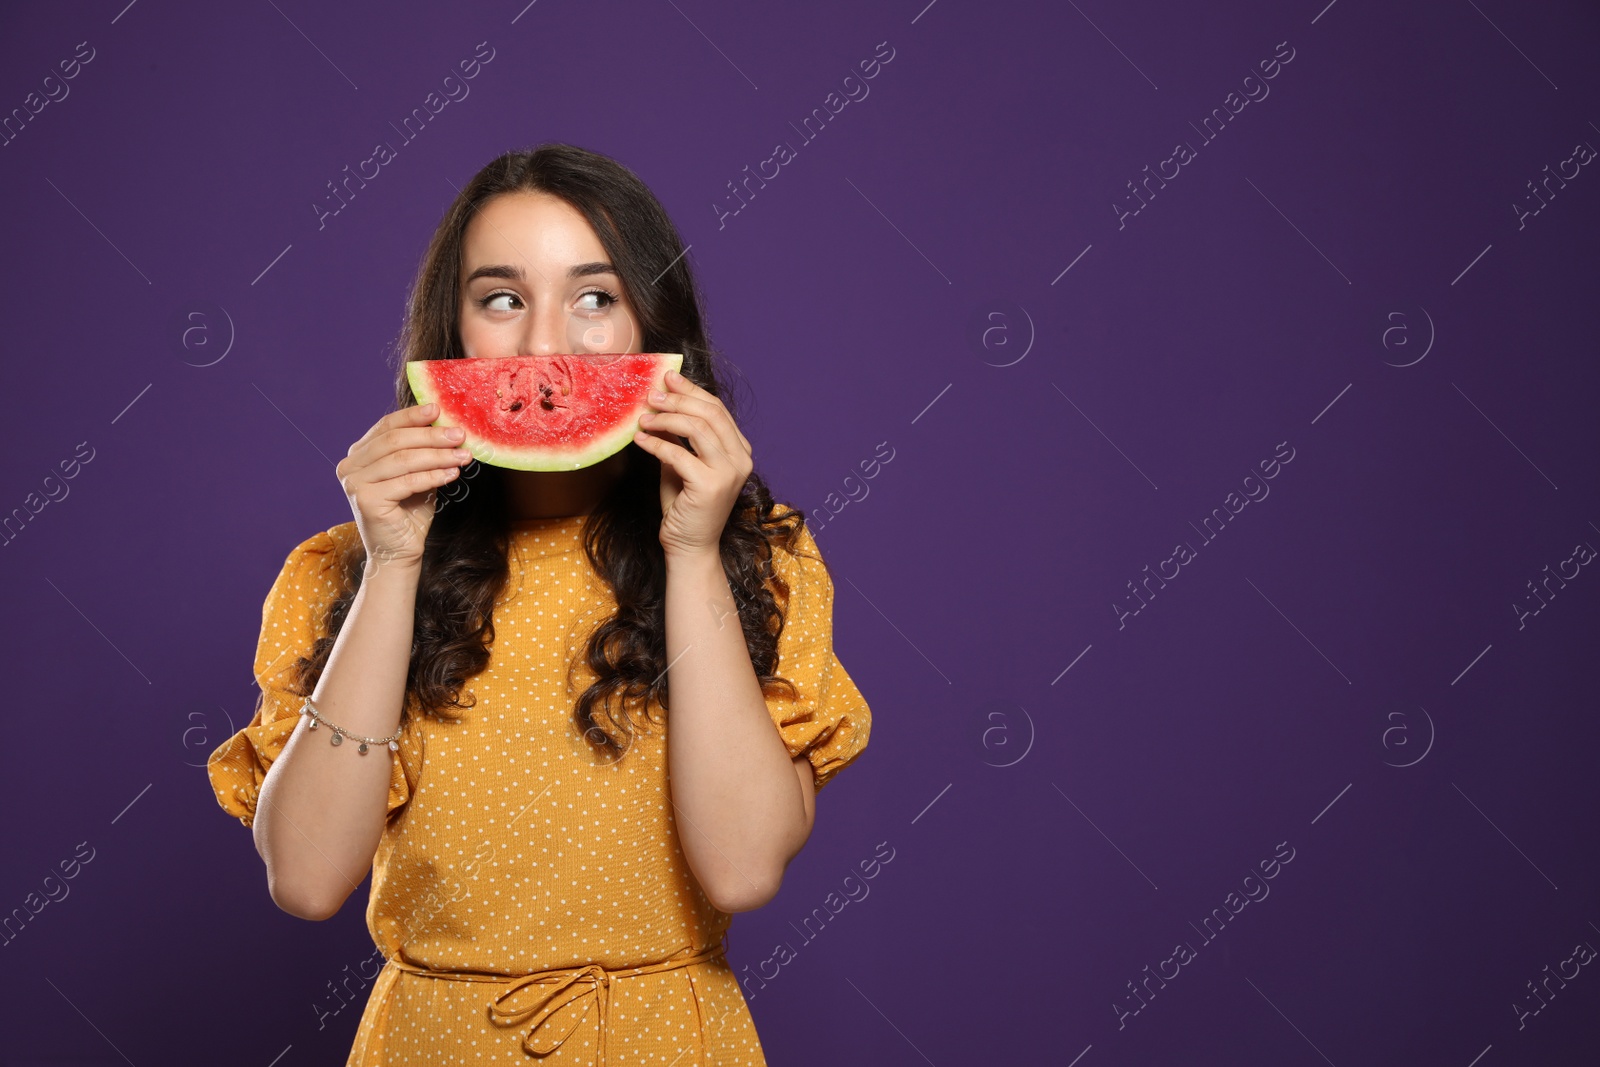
(543,413)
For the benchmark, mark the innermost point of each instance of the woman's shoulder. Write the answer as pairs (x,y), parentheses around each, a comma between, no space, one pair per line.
(343,534)
(318,555)
(328,541)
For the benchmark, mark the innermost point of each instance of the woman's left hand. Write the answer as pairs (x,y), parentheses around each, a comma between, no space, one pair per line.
(699,488)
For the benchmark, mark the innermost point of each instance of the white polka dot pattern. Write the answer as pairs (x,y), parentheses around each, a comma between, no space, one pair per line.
(511,847)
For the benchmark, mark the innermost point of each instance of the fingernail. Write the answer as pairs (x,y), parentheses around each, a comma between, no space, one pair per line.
(656,394)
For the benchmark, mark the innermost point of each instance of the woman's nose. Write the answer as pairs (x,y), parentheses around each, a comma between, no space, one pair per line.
(545,334)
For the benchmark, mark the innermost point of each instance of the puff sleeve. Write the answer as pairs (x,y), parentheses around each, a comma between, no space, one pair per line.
(291,621)
(830,722)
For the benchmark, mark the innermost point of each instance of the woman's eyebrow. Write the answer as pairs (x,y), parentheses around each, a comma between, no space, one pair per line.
(497,270)
(515,273)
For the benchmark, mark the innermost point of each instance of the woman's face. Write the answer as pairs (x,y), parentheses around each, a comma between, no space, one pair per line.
(537,282)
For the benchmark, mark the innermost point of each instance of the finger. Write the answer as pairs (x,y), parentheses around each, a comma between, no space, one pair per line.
(679,380)
(411,415)
(673,455)
(416,437)
(715,414)
(671,439)
(716,418)
(394,440)
(407,460)
(399,489)
(681,385)
(413,482)
(696,429)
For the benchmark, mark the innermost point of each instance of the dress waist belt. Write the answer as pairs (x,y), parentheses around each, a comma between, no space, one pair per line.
(558,990)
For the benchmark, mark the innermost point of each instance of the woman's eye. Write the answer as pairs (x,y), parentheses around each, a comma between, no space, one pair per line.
(603,300)
(488,301)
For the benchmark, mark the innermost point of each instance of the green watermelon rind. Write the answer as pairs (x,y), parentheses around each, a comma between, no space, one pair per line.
(541,459)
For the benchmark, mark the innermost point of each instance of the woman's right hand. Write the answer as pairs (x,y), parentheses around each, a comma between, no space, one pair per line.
(390,475)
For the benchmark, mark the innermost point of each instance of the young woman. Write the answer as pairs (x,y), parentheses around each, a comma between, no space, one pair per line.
(545,708)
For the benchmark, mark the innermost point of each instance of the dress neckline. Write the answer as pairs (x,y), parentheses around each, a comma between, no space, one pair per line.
(553,520)
(541,538)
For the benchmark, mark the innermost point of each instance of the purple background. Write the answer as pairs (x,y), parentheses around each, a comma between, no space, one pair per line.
(1342,669)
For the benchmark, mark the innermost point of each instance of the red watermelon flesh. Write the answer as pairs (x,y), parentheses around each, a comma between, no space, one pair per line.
(543,413)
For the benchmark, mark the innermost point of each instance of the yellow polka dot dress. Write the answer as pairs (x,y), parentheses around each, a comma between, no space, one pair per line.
(529,896)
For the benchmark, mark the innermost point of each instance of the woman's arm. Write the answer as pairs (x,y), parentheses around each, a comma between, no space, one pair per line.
(322,807)
(742,814)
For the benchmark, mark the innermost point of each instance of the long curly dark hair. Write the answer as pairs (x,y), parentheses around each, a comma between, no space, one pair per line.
(464,563)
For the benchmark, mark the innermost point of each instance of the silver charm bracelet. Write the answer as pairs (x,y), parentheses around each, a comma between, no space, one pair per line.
(339,735)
